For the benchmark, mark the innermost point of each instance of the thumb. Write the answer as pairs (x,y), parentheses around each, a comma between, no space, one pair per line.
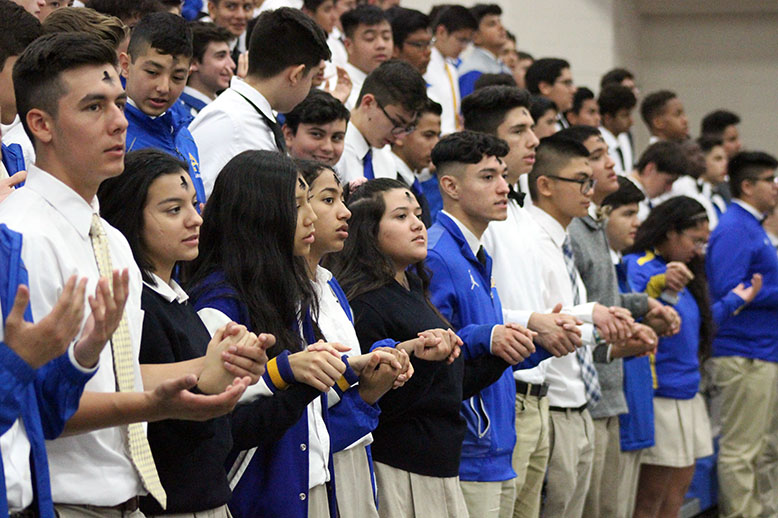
(20,304)
(171,387)
(557,308)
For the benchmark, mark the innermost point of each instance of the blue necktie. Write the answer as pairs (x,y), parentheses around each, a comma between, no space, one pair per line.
(368,165)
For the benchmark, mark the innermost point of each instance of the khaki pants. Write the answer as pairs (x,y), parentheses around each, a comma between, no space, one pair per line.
(403,494)
(602,500)
(219,512)
(747,392)
(570,463)
(767,469)
(489,499)
(354,484)
(530,456)
(629,471)
(318,502)
(91,511)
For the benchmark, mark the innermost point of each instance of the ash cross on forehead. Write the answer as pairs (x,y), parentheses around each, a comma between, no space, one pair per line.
(408,195)
(107,77)
(183,182)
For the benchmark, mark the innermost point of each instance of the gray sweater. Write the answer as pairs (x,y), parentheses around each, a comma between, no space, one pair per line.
(593,260)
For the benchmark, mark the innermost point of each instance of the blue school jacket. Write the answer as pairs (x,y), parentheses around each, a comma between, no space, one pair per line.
(462,289)
(738,248)
(169,133)
(44,398)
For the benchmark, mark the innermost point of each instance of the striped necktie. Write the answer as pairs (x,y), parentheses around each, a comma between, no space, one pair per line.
(123,364)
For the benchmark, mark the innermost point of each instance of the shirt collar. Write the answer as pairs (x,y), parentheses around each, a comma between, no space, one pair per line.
(63,199)
(592,210)
(556,231)
(750,208)
(170,292)
(197,94)
(132,103)
(632,177)
(357,141)
(253,95)
(487,52)
(615,256)
(403,170)
(609,137)
(357,75)
(473,242)
(323,275)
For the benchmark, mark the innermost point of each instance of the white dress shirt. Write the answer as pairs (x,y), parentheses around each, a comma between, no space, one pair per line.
(357,77)
(402,170)
(229,126)
(269,5)
(616,144)
(646,205)
(699,190)
(92,468)
(338,49)
(14,134)
(197,94)
(563,375)
(443,87)
(351,165)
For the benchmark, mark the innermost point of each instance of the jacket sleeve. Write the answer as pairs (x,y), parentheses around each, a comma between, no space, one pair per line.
(480,373)
(58,389)
(351,419)
(15,375)
(636,303)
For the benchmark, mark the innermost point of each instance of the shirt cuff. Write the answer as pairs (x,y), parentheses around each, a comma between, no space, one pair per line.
(78,366)
(517,316)
(491,339)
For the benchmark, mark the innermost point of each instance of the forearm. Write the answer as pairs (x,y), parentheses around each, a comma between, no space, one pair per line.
(154,374)
(98,410)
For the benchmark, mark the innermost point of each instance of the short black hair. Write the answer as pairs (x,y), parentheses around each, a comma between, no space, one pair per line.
(654,104)
(615,97)
(396,82)
(544,70)
(405,22)
(285,37)
(510,36)
(319,107)
(368,15)
(453,18)
(167,33)
(748,165)
(581,94)
(667,156)
(539,105)
(312,5)
(552,154)
(628,193)
(708,142)
(479,11)
(36,75)
(615,76)
(205,33)
(579,133)
(525,55)
(717,121)
(18,28)
(485,109)
(125,10)
(431,107)
(493,79)
(466,147)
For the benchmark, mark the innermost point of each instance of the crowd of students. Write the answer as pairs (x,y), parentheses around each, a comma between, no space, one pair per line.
(330,258)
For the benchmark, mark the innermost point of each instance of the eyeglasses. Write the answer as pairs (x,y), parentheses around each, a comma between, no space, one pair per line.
(421,45)
(400,128)
(587,184)
(698,242)
(770,179)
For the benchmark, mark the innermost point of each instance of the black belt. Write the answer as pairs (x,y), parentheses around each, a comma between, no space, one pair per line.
(565,409)
(31,511)
(528,389)
(130,506)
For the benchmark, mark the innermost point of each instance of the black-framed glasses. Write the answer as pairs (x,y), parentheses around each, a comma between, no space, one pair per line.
(587,184)
(400,128)
(421,45)
(770,179)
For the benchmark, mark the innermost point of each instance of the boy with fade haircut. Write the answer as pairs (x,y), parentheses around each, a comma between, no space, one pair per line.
(453,27)
(551,78)
(488,40)
(745,348)
(71,101)
(412,37)
(471,175)
(665,118)
(316,128)
(585,110)
(368,41)
(387,109)
(110,29)
(412,156)
(155,68)
(233,15)
(18,29)
(211,68)
(723,124)
(660,165)
(287,50)
(616,103)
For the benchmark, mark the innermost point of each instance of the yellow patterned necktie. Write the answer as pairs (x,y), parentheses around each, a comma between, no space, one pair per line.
(123,361)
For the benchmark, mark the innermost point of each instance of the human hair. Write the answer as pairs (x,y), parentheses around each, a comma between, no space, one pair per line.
(539,105)
(396,82)
(717,121)
(748,165)
(405,22)
(510,36)
(544,70)
(367,15)
(614,98)
(311,169)
(36,75)
(465,147)
(254,197)
(524,55)
(485,109)
(125,10)
(479,11)
(615,76)
(708,142)
(205,33)
(579,133)
(110,29)
(319,107)
(581,94)
(123,198)
(167,33)
(667,156)
(312,5)
(18,28)
(653,105)
(678,214)
(285,37)
(431,107)
(453,18)
(553,154)
(628,193)
(493,79)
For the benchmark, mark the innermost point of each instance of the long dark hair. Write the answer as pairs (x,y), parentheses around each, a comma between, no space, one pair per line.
(123,198)
(248,233)
(679,214)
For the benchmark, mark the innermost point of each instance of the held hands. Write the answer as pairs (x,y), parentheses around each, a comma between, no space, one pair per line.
(642,342)
(750,293)
(383,370)
(664,320)
(233,352)
(557,333)
(319,365)
(512,343)
(434,345)
(677,276)
(173,400)
(614,323)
